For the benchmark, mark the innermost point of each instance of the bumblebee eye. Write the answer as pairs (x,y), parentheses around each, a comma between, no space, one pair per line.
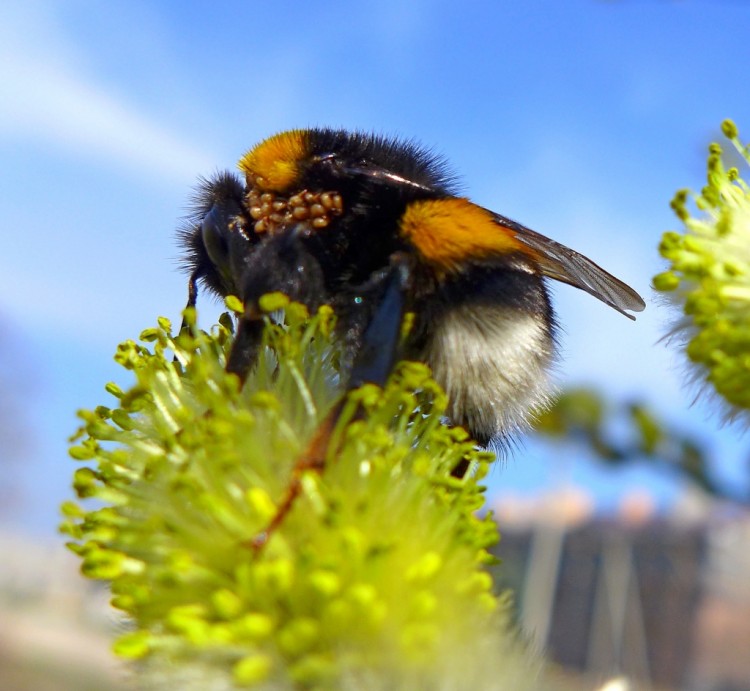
(214,240)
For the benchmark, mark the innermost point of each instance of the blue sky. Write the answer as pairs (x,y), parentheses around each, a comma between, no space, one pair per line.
(580,119)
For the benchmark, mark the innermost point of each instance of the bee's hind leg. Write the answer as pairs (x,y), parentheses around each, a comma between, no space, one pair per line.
(373,363)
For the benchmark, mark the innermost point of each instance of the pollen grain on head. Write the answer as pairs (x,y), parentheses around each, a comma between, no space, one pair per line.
(448,232)
(273,165)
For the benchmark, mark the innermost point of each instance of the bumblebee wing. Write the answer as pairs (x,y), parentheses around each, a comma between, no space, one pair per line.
(564,264)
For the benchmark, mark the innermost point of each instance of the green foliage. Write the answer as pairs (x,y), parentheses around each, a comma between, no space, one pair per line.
(709,277)
(624,433)
(375,580)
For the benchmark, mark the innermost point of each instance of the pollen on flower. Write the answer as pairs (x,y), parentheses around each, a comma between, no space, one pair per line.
(709,278)
(365,573)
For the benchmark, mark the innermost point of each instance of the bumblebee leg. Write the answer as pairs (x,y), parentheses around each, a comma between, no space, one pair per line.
(192,296)
(246,346)
(460,469)
(373,363)
(378,353)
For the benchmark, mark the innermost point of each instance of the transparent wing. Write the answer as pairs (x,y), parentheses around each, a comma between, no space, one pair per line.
(566,265)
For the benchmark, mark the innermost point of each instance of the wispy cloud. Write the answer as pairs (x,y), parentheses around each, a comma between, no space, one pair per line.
(45,95)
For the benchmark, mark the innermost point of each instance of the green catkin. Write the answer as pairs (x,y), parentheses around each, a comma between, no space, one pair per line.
(709,279)
(375,580)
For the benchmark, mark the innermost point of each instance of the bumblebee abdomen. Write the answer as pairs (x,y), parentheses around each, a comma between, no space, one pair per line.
(448,232)
(490,346)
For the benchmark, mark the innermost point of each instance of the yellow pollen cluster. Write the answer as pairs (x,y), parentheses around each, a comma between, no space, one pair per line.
(270,211)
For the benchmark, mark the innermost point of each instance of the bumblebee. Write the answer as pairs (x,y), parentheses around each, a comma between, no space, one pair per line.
(374,227)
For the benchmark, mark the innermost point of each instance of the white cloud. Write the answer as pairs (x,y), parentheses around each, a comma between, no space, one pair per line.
(46,96)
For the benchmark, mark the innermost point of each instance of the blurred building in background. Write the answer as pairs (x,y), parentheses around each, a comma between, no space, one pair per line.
(661,600)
